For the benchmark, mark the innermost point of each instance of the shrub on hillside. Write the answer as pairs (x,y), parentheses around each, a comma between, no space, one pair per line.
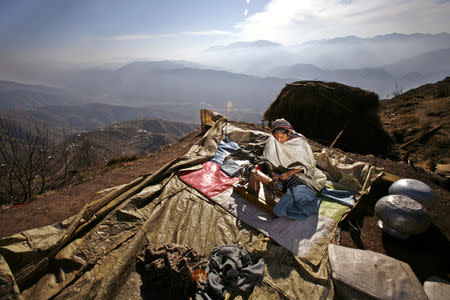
(31,161)
(443,91)
(122,158)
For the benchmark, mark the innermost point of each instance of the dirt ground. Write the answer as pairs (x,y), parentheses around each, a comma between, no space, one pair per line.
(427,254)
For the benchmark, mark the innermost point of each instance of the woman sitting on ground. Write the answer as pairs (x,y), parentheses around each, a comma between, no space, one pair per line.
(293,163)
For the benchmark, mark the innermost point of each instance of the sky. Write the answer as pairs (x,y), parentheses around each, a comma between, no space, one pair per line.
(107,31)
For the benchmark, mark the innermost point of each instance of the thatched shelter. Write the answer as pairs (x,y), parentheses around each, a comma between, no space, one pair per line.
(321,110)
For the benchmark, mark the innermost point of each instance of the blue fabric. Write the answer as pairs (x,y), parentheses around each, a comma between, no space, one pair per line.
(340,196)
(226,147)
(298,202)
(231,168)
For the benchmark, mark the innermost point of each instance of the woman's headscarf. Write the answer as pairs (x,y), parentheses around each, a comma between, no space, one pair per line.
(281,123)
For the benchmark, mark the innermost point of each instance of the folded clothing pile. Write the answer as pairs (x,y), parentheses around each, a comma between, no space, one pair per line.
(231,269)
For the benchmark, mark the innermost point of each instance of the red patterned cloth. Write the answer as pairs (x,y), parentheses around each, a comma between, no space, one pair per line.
(209,180)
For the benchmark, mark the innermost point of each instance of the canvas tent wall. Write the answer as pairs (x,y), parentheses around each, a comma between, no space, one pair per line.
(93,254)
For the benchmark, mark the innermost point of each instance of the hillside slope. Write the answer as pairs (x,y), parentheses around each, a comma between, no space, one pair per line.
(138,137)
(89,116)
(419,121)
(14,95)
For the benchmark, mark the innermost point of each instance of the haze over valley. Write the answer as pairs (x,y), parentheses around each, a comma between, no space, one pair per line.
(150,61)
(241,80)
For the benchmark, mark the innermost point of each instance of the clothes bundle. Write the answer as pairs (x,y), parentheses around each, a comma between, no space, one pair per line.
(231,269)
(226,147)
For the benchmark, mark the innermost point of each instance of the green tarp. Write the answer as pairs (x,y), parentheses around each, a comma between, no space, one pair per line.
(93,254)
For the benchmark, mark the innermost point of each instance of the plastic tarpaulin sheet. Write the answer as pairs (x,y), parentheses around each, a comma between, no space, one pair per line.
(206,225)
(307,239)
(93,254)
(8,287)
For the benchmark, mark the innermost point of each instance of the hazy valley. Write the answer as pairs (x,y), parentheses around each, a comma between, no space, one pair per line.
(240,79)
(103,114)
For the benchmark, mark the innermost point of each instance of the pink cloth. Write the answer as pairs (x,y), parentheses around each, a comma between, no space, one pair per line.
(209,180)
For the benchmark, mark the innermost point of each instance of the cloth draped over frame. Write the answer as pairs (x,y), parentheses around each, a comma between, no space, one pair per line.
(293,154)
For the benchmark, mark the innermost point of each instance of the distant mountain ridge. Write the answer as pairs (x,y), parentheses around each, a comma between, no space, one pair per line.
(58,108)
(257,72)
(441,38)
(142,66)
(240,45)
(14,95)
(307,71)
(186,88)
(350,52)
(429,62)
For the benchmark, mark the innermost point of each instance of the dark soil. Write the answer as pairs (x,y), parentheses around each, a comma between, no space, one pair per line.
(167,272)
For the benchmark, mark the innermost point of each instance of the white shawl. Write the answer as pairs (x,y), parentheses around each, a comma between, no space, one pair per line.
(293,151)
(292,154)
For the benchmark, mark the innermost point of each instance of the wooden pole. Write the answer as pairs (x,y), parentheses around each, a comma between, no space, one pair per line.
(339,135)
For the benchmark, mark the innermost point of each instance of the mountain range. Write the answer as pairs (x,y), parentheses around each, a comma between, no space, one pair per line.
(14,95)
(245,79)
(184,89)
(350,52)
(252,73)
(243,45)
(89,116)
(409,59)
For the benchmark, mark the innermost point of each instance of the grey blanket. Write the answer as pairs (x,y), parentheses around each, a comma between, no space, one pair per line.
(231,269)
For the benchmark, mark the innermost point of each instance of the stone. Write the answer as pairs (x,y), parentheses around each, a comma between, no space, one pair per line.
(402,216)
(414,189)
(437,288)
(364,274)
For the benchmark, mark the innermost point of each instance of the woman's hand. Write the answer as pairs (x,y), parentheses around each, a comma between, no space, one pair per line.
(289,173)
(284,176)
